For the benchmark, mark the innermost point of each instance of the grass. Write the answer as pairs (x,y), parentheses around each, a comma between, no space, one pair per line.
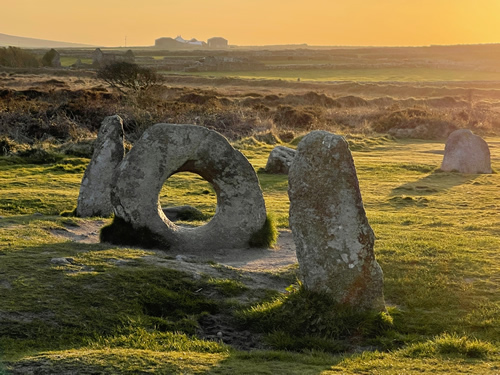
(121,310)
(69,60)
(403,74)
(303,319)
(266,236)
(189,188)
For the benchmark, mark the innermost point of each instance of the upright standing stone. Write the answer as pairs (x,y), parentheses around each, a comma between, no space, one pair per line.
(95,190)
(466,152)
(331,232)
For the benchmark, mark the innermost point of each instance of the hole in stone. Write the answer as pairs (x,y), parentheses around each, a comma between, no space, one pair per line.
(188,189)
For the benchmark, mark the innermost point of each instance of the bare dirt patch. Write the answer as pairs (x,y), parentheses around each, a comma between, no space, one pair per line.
(257,268)
(84,232)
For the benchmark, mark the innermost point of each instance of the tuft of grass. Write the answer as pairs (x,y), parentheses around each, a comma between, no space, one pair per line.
(308,320)
(451,345)
(267,235)
(188,213)
(407,201)
(39,155)
(228,287)
(147,339)
(68,213)
(363,143)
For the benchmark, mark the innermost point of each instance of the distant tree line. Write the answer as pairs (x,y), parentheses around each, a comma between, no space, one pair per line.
(18,58)
(15,57)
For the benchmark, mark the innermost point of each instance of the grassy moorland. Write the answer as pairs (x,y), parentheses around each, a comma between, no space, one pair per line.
(367,74)
(113,310)
(73,305)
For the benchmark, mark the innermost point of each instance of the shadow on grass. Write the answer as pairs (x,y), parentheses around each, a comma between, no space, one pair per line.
(434,183)
(130,361)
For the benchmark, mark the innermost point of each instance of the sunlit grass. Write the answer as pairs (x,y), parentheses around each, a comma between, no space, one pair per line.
(110,311)
(360,75)
(70,60)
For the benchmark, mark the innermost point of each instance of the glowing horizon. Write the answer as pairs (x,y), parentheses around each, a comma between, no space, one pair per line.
(258,22)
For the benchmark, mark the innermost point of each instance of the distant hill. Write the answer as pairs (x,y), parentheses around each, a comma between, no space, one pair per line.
(22,42)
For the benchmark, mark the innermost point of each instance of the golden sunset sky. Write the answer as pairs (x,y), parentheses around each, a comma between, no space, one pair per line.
(256,22)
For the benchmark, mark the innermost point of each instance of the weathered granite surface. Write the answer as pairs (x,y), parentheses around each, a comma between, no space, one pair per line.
(165,149)
(279,160)
(94,198)
(332,235)
(466,152)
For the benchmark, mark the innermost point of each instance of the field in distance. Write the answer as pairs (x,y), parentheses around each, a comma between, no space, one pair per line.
(399,74)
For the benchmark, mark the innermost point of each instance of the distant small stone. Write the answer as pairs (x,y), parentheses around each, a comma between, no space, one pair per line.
(186,213)
(37,214)
(62,261)
(279,160)
(466,152)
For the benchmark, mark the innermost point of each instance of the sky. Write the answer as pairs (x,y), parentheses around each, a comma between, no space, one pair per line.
(256,22)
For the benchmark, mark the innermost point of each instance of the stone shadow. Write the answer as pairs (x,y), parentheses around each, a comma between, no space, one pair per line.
(434,183)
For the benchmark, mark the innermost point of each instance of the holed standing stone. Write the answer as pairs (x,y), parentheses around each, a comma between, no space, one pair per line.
(166,149)
(333,239)
(94,198)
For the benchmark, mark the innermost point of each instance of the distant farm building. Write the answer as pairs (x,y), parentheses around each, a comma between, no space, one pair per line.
(178,43)
(100,58)
(217,42)
(191,42)
(166,43)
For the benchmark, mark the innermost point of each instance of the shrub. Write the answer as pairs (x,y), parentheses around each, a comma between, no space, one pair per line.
(38,155)
(414,123)
(48,57)
(18,58)
(296,118)
(124,75)
(7,145)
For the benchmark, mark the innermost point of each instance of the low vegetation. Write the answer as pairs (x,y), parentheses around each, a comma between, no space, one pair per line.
(73,305)
(29,117)
(124,76)
(19,58)
(70,306)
